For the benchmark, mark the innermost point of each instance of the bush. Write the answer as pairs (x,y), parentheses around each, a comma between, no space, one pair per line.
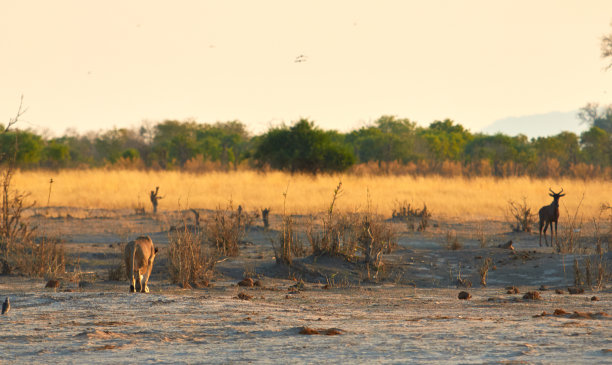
(45,258)
(522,216)
(414,217)
(376,237)
(303,148)
(189,261)
(227,229)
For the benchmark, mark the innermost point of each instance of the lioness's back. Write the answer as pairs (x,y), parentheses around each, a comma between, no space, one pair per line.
(139,255)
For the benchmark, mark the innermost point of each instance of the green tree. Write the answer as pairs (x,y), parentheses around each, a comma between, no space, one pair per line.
(446,140)
(564,147)
(111,145)
(25,146)
(302,148)
(500,149)
(175,143)
(227,142)
(597,146)
(606,48)
(595,116)
(56,154)
(389,139)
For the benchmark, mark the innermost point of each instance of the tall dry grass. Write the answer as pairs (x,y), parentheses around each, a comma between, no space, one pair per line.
(458,198)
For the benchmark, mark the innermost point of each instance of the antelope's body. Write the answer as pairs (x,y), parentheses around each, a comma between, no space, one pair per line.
(549,214)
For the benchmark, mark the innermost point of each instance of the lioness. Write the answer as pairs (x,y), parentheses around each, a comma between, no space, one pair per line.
(139,255)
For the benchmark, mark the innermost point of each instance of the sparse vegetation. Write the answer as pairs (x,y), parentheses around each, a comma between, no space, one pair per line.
(190,263)
(571,232)
(227,229)
(93,189)
(328,241)
(521,216)
(375,238)
(289,243)
(452,241)
(483,270)
(415,218)
(117,270)
(19,251)
(481,236)
(44,257)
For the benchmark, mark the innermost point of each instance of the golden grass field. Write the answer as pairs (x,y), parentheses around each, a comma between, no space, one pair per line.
(451,198)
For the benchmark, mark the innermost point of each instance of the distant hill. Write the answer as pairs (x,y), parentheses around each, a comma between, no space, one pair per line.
(537,125)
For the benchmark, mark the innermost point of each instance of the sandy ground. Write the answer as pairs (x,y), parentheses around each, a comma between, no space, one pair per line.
(409,314)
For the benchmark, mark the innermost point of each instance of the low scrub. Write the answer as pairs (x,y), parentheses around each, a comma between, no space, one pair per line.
(376,237)
(189,260)
(227,229)
(522,219)
(416,219)
(44,257)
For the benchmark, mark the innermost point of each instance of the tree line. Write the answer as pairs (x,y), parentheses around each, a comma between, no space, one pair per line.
(389,145)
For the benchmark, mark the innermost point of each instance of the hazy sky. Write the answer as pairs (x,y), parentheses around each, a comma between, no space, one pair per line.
(95,65)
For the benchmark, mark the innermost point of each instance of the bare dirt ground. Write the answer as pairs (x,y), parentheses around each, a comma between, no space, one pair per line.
(408,313)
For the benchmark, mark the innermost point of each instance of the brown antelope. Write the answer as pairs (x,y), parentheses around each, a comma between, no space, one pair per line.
(549,214)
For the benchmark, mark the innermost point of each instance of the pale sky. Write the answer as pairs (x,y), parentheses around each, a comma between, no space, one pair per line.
(94,65)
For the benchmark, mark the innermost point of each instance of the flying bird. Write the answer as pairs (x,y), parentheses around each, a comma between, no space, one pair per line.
(300,58)
(6,306)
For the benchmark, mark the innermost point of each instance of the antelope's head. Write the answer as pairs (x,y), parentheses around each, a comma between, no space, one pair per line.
(556,196)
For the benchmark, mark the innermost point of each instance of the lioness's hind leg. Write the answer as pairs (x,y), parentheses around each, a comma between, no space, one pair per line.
(145,288)
(138,286)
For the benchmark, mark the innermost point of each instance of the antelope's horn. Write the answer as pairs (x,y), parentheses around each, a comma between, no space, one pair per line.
(551,190)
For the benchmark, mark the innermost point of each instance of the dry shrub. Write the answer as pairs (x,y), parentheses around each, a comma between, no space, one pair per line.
(508,169)
(43,258)
(571,231)
(117,271)
(375,238)
(578,281)
(12,229)
(227,229)
(452,242)
(596,267)
(584,171)
(328,241)
(414,217)
(481,237)
(451,168)
(189,260)
(522,216)
(483,270)
(289,244)
(20,251)
(200,164)
(126,163)
(549,167)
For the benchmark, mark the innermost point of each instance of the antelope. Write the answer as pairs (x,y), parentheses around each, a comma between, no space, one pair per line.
(549,214)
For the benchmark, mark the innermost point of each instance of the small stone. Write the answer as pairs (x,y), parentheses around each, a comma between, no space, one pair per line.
(248,282)
(575,290)
(532,295)
(52,284)
(464,295)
